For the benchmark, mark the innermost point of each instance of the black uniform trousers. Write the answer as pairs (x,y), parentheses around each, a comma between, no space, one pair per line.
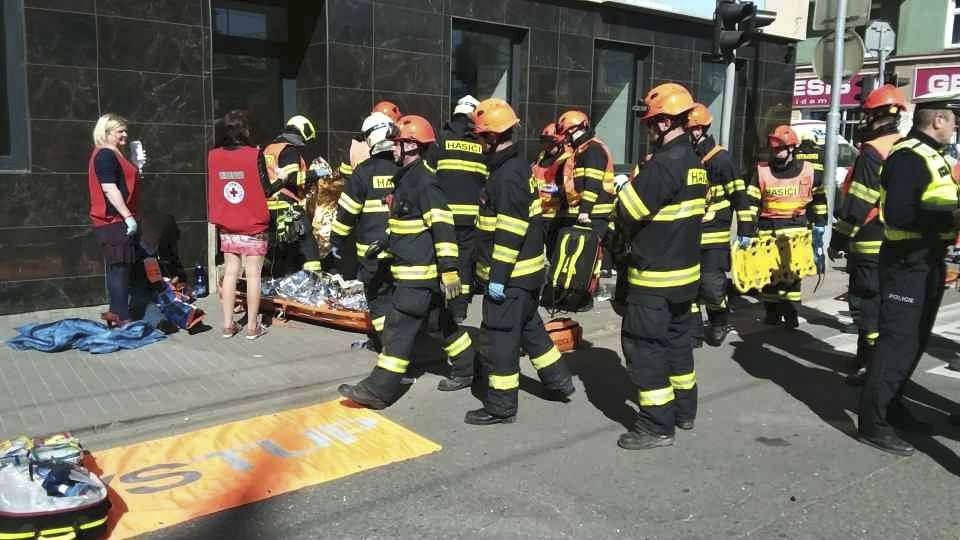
(291,257)
(656,342)
(511,324)
(853,301)
(865,287)
(378,287)
(714,265)
(467,259)
(414,310)
(911,289)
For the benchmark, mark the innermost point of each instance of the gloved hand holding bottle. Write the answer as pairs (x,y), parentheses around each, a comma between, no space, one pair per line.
(451,284)
(496,292)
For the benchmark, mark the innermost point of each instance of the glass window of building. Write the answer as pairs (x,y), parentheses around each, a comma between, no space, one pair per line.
(712,78)
(616,71)
(13,107)
(953,23)
(240,23)
(483,61)
(250,46)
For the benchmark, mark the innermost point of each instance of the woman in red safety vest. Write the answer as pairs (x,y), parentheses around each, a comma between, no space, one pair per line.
(113,183)
(237,205)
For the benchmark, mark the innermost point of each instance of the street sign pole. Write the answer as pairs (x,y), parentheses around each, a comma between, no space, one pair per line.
(726,125)
(883,60)
(833,117)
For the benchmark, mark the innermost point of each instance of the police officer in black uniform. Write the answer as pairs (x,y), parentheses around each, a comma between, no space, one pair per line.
(920,209)
(461,172)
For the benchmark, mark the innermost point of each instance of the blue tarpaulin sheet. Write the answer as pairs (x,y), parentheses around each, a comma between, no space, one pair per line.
(84,335)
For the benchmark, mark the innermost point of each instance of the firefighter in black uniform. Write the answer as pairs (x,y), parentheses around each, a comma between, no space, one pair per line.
(727,194)
(661,211)
(591,169)
(920,210)
(289,223)
(548,172)
(363,212)
(787,191)
(511,263)
(808,150)
(857,230)
(422,243)
(461,172)
(384,107)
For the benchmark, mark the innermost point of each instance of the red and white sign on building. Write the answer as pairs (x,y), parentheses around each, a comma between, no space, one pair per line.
(935,80)
(812,93)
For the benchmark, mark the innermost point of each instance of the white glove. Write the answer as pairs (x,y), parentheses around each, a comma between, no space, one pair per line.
(620,180)
(321,167)
(132,226)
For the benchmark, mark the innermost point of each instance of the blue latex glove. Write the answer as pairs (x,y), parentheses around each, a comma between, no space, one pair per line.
(495,292)
(744,241)
(335,252)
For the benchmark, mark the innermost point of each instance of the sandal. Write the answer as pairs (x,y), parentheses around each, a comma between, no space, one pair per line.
(231,331)
(257,334)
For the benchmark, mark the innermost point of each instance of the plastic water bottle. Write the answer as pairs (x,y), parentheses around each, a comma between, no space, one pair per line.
(200,288)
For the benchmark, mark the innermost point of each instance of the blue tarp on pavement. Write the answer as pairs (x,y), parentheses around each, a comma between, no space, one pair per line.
(84,335)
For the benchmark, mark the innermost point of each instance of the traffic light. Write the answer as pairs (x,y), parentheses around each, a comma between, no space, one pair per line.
(734,25)
(890,76)
(863,87)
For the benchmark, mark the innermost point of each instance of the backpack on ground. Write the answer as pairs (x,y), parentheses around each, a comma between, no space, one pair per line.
(574,273)
(46,493)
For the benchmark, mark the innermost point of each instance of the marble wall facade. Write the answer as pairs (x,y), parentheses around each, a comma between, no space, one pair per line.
(400,50)
(148,61)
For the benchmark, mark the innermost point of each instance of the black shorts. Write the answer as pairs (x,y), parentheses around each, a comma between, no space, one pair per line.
(117,247)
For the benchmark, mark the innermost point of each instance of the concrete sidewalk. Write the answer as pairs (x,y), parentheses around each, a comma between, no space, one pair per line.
(90,394)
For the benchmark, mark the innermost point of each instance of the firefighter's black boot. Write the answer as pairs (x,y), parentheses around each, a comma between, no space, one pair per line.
(452,384)
(480,417)
(716,334)
(360,394)
(790,317)
(773,314)
(641,440)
